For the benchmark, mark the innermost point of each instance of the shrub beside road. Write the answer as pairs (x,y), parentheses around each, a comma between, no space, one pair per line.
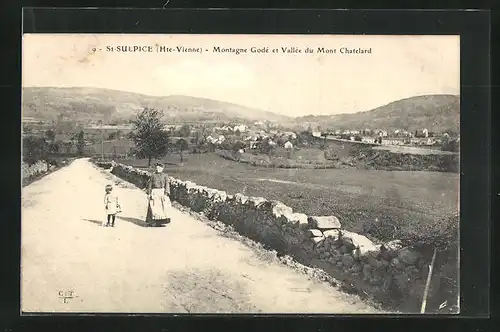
(33,172)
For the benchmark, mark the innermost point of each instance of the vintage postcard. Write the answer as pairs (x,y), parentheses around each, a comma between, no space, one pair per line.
(240,174)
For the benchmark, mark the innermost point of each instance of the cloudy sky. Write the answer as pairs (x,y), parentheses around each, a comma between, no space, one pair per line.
(291,84)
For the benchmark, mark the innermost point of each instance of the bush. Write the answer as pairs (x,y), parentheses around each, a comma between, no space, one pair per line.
(30,171)
(34,149)
(391,161)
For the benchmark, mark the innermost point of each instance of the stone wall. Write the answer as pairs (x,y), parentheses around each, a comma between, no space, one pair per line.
(393,273)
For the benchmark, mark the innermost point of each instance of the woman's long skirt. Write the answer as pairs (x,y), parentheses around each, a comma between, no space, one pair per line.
(158,207)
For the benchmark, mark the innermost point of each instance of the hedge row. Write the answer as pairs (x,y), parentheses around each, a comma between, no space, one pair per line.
(263,160)
(362,155)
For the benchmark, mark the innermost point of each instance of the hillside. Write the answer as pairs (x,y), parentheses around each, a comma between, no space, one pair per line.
(84,104)
(434,112)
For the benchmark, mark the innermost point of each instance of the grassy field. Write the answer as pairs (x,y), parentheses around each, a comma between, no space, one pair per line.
(412,150)
(311,153)
(381,204)
(120,146)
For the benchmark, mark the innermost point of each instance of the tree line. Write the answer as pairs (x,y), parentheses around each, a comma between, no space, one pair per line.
(40,147)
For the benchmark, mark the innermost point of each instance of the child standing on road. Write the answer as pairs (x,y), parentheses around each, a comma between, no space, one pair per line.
(111,205)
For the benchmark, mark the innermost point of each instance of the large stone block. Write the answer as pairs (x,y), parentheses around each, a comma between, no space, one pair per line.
(334,234)
(280,209)
(324,222)
(314,233)
(256,201)
(240,198)
(299,219)
(317,239)
(202,189)
(191,185)
(220,196)
(358,241)
(209,192)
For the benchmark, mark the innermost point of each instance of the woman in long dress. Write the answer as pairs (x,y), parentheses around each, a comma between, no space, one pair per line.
(158,191)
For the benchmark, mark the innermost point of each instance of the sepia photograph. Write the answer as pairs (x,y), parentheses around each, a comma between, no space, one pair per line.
(240,174)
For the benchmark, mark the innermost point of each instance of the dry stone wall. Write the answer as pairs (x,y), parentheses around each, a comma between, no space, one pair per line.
(393,274)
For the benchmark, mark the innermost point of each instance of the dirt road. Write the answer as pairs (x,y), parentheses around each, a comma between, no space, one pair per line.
(184,267)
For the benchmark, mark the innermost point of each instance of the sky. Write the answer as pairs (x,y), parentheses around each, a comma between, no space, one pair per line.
(291,84)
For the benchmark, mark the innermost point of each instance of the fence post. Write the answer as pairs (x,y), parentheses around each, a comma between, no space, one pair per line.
(428,283)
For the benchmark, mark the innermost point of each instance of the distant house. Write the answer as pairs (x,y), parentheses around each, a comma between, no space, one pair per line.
(288,145)
(240,128)
(382,133)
